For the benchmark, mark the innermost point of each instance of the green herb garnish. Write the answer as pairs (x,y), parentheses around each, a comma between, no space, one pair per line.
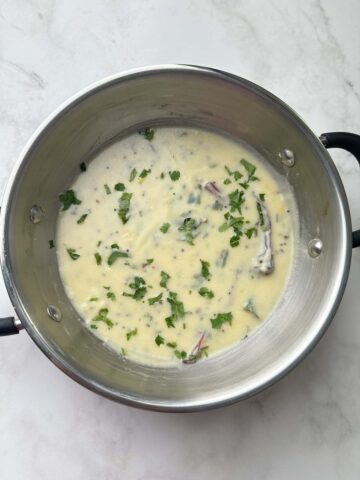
(170,322)
(227,181)
(188,227)
(174,175)
(114,245)
(149,261)
(82,218)
(236,199)
(93,299)
(144,173)
(177,307)
(133,174)
(221,318)
(155,299)
(93,327)
(98,258)
(205,292)
(131,333)
(51,244)
(102,317)
(205,272)
(165,227)
(180,355)
(111,295)
(119,187)
(164,279)
(250,232)
(159,340)
(236,223)
(251,169)
(194,357)
(72,253)
(171,344)
(83,166)
(124,207)
(139,287)
(107,189)
(115,255)
(68,198)
(148,133)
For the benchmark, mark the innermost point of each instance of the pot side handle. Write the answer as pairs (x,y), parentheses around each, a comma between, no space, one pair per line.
(8,326)
(351,143)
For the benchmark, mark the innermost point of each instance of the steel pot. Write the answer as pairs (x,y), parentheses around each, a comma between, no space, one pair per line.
(176,95)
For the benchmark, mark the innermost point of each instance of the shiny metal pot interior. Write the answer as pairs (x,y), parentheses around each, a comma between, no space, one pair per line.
(170,95)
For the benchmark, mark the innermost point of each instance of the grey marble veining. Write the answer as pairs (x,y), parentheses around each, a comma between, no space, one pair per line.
(306,426)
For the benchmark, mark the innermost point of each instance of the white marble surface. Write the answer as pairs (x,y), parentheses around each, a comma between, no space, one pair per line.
(307,426)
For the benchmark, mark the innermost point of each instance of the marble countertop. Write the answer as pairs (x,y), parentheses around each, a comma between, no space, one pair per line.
(306,426)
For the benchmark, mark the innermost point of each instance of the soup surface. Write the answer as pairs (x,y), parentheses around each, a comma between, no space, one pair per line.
(174,243)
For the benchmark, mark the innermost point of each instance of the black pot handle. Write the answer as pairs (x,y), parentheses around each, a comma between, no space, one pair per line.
(8,326)
(351,143)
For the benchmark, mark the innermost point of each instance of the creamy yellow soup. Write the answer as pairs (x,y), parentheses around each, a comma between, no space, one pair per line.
(174,243)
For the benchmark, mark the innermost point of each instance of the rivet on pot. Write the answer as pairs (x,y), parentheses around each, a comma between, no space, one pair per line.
(315,247)
(287,157)
(54,313)
(36,214)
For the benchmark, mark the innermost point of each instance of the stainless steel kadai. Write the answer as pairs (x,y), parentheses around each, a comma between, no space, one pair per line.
(176,95)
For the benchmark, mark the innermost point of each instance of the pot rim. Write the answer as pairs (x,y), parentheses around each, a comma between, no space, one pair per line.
(232,396)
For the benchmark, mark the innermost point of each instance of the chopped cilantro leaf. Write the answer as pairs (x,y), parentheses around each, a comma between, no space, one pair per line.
(171,344)
(139,287)
(131,333)
(68,198)
(144,173)
(164,279)
(250,232)
(83,166)
(115,255)
(155,299)
(149,261)
(51,244)
(174,175)
(205,292)
(93,299)
(227,181)
(133,174)
(177,307)
(148,133)
(170,322)
(249,167)
(98,258)
(262,196)
(72,253)
(93,327)
(236,199)
(221,318)
(114,245)
(82,218)
(188,227)
(165,227)
(124,207)
(119,187)
(107,189)
(205,272)
(111,295)
(102,317)
(180,355)
(159,340)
